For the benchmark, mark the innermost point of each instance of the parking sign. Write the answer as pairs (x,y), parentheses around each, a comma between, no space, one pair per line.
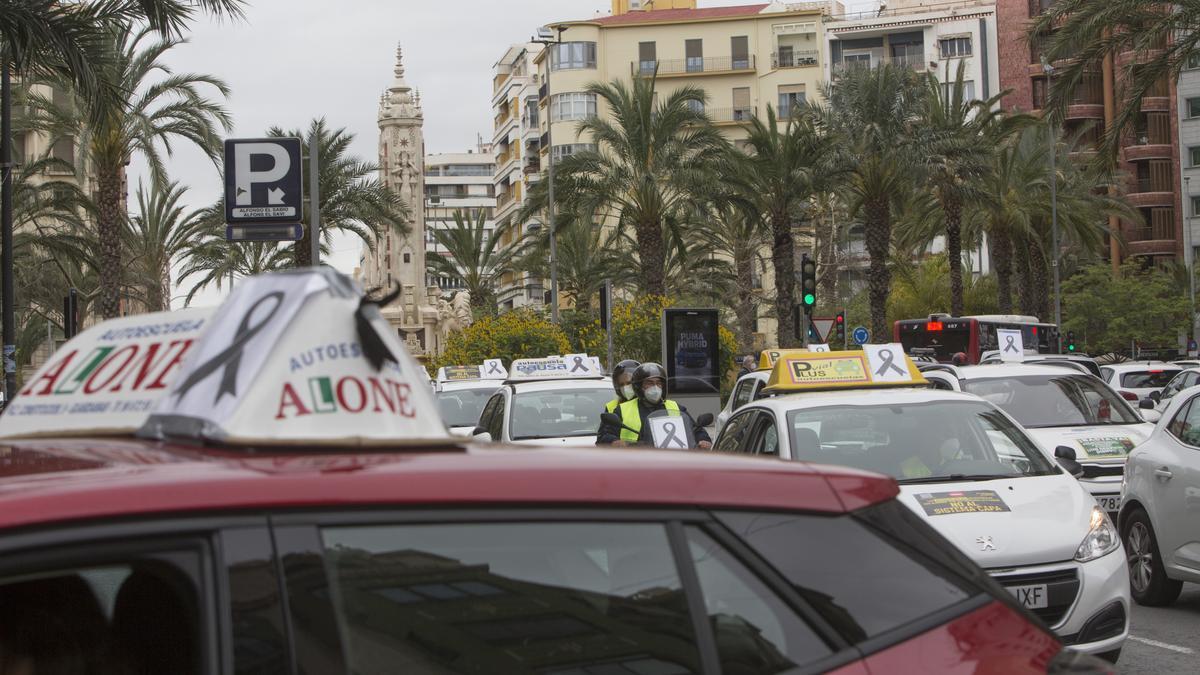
(264,189)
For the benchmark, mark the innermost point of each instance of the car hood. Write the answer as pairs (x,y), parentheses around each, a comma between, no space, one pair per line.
(1103,442)
(1046,520)
(569,442)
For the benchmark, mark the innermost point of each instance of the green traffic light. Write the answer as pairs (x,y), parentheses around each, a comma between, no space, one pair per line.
(810,299)
(1070,348)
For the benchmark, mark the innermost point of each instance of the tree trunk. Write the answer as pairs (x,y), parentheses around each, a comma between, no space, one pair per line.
(952,209)
(1002,262)
(783,259)
(1040,278)
(1025,289)
(745,310)
(879,277)
(108,229)
(827,272)
(302,249)
(651,257)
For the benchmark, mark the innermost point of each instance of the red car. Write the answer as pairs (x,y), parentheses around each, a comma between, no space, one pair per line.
(269,489)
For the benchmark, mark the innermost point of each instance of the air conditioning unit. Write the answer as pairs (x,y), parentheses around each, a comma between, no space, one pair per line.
(435,199)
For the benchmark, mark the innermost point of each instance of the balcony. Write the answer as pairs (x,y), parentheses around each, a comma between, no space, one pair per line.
(1156,239)
(735,115)
(713,65)
(794,58)
(532,165)
(914,61)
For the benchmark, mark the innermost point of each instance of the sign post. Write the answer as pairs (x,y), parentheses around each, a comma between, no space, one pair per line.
(606,318)
(264,189)
(314,200)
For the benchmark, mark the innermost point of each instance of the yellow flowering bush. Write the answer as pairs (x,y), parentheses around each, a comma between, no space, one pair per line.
(518,334)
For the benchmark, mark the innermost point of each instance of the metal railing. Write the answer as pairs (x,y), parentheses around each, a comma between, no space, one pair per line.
(504,199)
(1155,130)
(695,64)
(912,61)
(794,59)
(1155,232)
(1154,184)
(734,114)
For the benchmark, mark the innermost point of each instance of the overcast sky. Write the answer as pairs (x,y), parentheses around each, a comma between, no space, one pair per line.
(293,60)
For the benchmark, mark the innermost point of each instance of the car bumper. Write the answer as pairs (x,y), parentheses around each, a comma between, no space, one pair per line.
(1097,620)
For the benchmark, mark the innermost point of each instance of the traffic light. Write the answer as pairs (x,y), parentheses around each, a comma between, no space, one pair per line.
(1070,341)
(808,283)
(839,327)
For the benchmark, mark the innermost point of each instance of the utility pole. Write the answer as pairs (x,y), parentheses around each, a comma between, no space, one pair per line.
(314,200)
(1054,252)
(6,233)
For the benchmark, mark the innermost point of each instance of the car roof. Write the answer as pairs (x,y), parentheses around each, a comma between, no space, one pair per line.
(815,399)
(53,481)
(470,384)
(554,385)
(1144,365)
(994,370)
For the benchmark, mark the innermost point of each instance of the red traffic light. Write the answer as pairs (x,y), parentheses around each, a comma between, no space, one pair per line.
(840,318)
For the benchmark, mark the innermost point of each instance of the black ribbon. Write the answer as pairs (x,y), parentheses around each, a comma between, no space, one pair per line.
(889,361)
(669,427)
(1011,346)
(494,368)
(579,365)
(374,347)
(231,357)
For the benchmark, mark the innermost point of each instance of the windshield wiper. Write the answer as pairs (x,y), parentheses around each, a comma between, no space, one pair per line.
(954,477)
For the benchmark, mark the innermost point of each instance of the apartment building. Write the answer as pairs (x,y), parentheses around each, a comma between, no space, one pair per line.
(1149,154)
(457,182)
(1189,152)
(516,144)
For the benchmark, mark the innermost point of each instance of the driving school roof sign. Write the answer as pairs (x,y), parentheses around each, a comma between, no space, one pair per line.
(572,366)
(813,371)
(264,189)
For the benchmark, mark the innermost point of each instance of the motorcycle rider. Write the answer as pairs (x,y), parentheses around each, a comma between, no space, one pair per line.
(650,386)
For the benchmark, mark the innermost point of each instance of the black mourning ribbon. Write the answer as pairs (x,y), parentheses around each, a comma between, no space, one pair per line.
(1010,346)
(230,358)
(669,427)
(578,365)
(374,348)
(494,368)
(889,362)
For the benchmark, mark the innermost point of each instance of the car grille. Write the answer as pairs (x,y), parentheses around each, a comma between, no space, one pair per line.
(1098,470)
(1061,588)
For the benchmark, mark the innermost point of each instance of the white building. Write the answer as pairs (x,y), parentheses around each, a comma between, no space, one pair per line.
(457,182)
(1189,153)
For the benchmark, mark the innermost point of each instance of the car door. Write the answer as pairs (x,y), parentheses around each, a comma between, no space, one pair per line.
(736,436)
(1172,476)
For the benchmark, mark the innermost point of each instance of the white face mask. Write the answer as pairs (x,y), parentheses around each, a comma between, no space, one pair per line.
(653,394)
(627,392)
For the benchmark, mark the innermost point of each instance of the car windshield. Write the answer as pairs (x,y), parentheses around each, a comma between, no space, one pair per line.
(1054,400)
(558,413)
(930,442)
(461,407)
(1148,379)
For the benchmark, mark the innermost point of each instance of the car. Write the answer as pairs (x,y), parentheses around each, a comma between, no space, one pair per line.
(1136,380)
(1071,415)
(1182,380)
(544,403)
(1158,504)
(187,493)
(1086,362)
(747,388)
(462,392)
(965,467)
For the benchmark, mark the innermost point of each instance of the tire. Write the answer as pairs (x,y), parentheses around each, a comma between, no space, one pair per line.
(1148,581)
(1112,656)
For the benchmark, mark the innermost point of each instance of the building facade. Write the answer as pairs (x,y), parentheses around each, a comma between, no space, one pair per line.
(457,182)
(1189,154)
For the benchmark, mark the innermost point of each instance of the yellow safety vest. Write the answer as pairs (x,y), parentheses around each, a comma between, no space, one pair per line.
(612,405)
(913,467)
(632,417)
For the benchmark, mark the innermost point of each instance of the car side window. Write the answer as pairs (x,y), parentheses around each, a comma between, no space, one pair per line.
(1106,374)
(493,417)
(736,434)
(766,436)
(744,392)
(1186,425)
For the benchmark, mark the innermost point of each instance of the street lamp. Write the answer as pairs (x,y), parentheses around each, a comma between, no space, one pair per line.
(1054,253)
(551,36)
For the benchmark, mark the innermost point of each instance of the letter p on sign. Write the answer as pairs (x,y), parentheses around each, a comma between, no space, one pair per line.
(263,181)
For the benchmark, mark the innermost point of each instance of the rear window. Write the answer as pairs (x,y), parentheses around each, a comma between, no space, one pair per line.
(1148,379)
(461,408)
(557,413)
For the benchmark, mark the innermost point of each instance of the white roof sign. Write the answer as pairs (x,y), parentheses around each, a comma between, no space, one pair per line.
(571,366)
(108,378)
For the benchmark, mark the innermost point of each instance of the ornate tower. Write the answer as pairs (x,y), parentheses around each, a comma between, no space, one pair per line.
(401,258)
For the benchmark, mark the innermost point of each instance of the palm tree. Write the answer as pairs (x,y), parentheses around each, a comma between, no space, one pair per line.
(873,112)
(213,261)
(588,255)
(738,234)
(1078,36)
(152,114)
(353,199)
(474,256)
(786,169)
(161,232)
(650,162)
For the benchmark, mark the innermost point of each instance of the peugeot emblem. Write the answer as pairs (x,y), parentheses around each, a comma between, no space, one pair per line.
(985,543)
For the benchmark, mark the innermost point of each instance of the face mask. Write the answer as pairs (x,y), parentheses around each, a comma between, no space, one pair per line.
(627,392)
(653,394)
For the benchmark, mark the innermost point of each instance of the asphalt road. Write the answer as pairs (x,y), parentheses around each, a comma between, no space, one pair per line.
(1164,639)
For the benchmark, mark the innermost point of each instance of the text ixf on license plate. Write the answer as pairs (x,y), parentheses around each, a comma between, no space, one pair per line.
(1109,503)
(1032,597)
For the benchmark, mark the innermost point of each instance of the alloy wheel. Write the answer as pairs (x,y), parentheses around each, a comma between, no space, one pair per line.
(1141,557)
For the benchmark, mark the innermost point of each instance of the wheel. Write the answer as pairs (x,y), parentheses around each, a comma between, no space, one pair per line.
(1112,656)
(1147,579)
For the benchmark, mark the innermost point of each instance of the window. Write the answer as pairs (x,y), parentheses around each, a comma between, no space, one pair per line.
(735,436)
(559,413)
(695,106)
(1193,60)
(1194,156)
(1055,401)
(1147,379)
(492,417)
(1186,425)
(750,624)
(1195,206)
(573,55)
(461,407)
(954,47)
(1193,106)
(64,151)
(791,98)
(744,392)
(864,582)
(1039,92)
(558,152)
(968,90)
(862,60)
(694,50)
(18,151)
(647,63)
(407,258)
(739,47)
(741,104)
(766,442)
(572,106)
(509,597)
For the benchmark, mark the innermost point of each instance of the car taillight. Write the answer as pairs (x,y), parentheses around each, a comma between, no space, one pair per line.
(1129,396)
(1070,662)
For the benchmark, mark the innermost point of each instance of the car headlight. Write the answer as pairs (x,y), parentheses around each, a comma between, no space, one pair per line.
(1101,538)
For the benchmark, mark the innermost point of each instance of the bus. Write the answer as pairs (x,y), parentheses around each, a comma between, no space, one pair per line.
(942,336)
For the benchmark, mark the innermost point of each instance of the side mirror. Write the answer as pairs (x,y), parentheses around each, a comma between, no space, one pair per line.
(1148,403)
(1156,396)
(479,430)
(704,420)
(1151,416)
(610,418)
(1066,458)
(482,435)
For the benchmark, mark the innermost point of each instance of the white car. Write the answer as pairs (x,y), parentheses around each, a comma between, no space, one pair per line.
(1183,380)
(1135,380)
(971,472)
(460,403)
(544,403)
(1160,502)
(1072,416)
(747,388)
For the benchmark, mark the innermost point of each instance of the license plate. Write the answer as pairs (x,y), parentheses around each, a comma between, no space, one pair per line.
(1032,597)
(1109,502)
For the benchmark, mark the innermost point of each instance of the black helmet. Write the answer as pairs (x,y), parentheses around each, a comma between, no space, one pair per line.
(646,371)
(622,367)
